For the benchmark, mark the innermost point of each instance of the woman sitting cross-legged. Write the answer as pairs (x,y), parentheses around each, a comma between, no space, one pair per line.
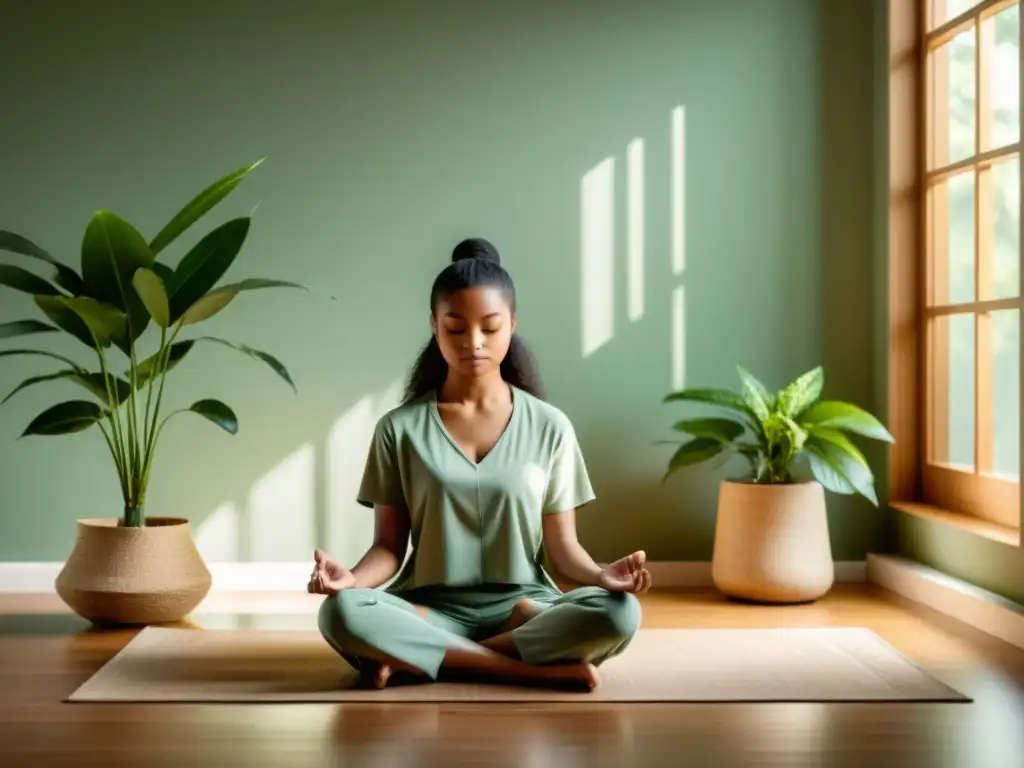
(484,476)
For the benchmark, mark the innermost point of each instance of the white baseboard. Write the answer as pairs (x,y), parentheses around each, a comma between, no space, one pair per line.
(249,577)
(696,573)
(964,602)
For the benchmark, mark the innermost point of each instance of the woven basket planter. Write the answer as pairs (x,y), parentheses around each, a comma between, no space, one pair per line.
(772,542)
(147,575)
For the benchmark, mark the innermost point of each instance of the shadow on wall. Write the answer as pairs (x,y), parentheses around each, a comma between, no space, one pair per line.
(556,130)
(307,499)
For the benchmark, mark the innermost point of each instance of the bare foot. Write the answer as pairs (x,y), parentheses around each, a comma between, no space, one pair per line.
(383,675)
(522,612)
(576,675)
(379,676)
(502,641)
(372,674)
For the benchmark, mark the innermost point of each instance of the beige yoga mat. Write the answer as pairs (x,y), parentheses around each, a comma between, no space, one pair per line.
(661,665)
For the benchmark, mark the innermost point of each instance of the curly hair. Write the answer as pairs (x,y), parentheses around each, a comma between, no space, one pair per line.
(475,263)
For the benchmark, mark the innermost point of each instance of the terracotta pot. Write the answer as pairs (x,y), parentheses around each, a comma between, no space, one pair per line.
(147,575)
(772,542)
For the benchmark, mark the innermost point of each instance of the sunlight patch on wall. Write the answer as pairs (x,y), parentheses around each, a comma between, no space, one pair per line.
(218,535)
(282,509)
(597,260)
(678,191)
(348,528)
(678,338)
(390,398)
(635,227)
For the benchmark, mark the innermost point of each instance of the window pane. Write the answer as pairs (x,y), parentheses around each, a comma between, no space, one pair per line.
(1005,178)
(952,124)
(1003,30)
(949,9)
(951,378)
(951,257)
(1006,393)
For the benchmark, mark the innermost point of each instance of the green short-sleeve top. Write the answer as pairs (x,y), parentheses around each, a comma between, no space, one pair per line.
(475,523)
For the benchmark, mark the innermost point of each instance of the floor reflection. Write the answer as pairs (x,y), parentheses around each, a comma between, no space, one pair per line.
(532,736)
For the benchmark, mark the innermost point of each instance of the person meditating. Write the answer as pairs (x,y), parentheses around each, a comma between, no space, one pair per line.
(485,476)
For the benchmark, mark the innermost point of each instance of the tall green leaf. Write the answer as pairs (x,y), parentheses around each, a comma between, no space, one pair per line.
(42,353)
(65,276)
(213,410)
(198,206)
(848,468)
(65,418)
(276,365)
(151,365)
(165,273)
(214,301)
(217,412)
(839,415)
(22,280)
(205,264)
(757,397)
(112,250)
(32,381)
(181,348)
(24,328)
(695,451)
(151,291)
(66,319)
(105,322)
(802,393)
(723,430)
(208,306)
(94,382)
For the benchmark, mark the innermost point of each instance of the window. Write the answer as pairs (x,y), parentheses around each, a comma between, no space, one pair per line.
(955,246)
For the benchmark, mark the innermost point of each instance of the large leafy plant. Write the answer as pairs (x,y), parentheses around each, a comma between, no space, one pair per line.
(775,430)
(123,290)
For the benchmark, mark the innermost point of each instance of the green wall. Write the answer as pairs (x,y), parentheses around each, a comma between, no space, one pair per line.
(394,129)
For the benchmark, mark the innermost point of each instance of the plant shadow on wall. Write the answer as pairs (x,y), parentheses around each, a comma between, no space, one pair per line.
(772,540)
(304,500)
(133,569)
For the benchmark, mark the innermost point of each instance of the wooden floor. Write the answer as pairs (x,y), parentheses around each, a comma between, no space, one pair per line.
(46,653)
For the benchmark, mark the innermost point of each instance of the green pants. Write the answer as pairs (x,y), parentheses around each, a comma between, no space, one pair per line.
(588,624)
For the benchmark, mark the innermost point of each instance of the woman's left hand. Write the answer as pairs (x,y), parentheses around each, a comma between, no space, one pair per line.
(626,575)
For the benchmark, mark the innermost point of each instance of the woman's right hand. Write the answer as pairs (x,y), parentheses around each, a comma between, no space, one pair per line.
(328,576)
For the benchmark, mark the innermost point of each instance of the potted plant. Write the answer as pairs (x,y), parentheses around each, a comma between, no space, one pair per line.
(132,569)
(771,534)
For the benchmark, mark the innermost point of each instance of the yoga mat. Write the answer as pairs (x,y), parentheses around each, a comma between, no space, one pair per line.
(661,665)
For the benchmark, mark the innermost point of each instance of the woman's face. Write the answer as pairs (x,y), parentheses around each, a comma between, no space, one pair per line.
(474,328)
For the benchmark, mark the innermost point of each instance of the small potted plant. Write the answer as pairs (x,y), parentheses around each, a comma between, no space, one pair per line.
(771,533)
(132,569)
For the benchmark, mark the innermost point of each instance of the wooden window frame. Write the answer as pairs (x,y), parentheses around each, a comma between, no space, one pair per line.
(976,500)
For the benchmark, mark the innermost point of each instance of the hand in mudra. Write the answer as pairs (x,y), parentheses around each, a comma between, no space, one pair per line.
(626,575)
(328,576)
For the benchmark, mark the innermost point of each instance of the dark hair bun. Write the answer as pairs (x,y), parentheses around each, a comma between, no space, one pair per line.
(476,248)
